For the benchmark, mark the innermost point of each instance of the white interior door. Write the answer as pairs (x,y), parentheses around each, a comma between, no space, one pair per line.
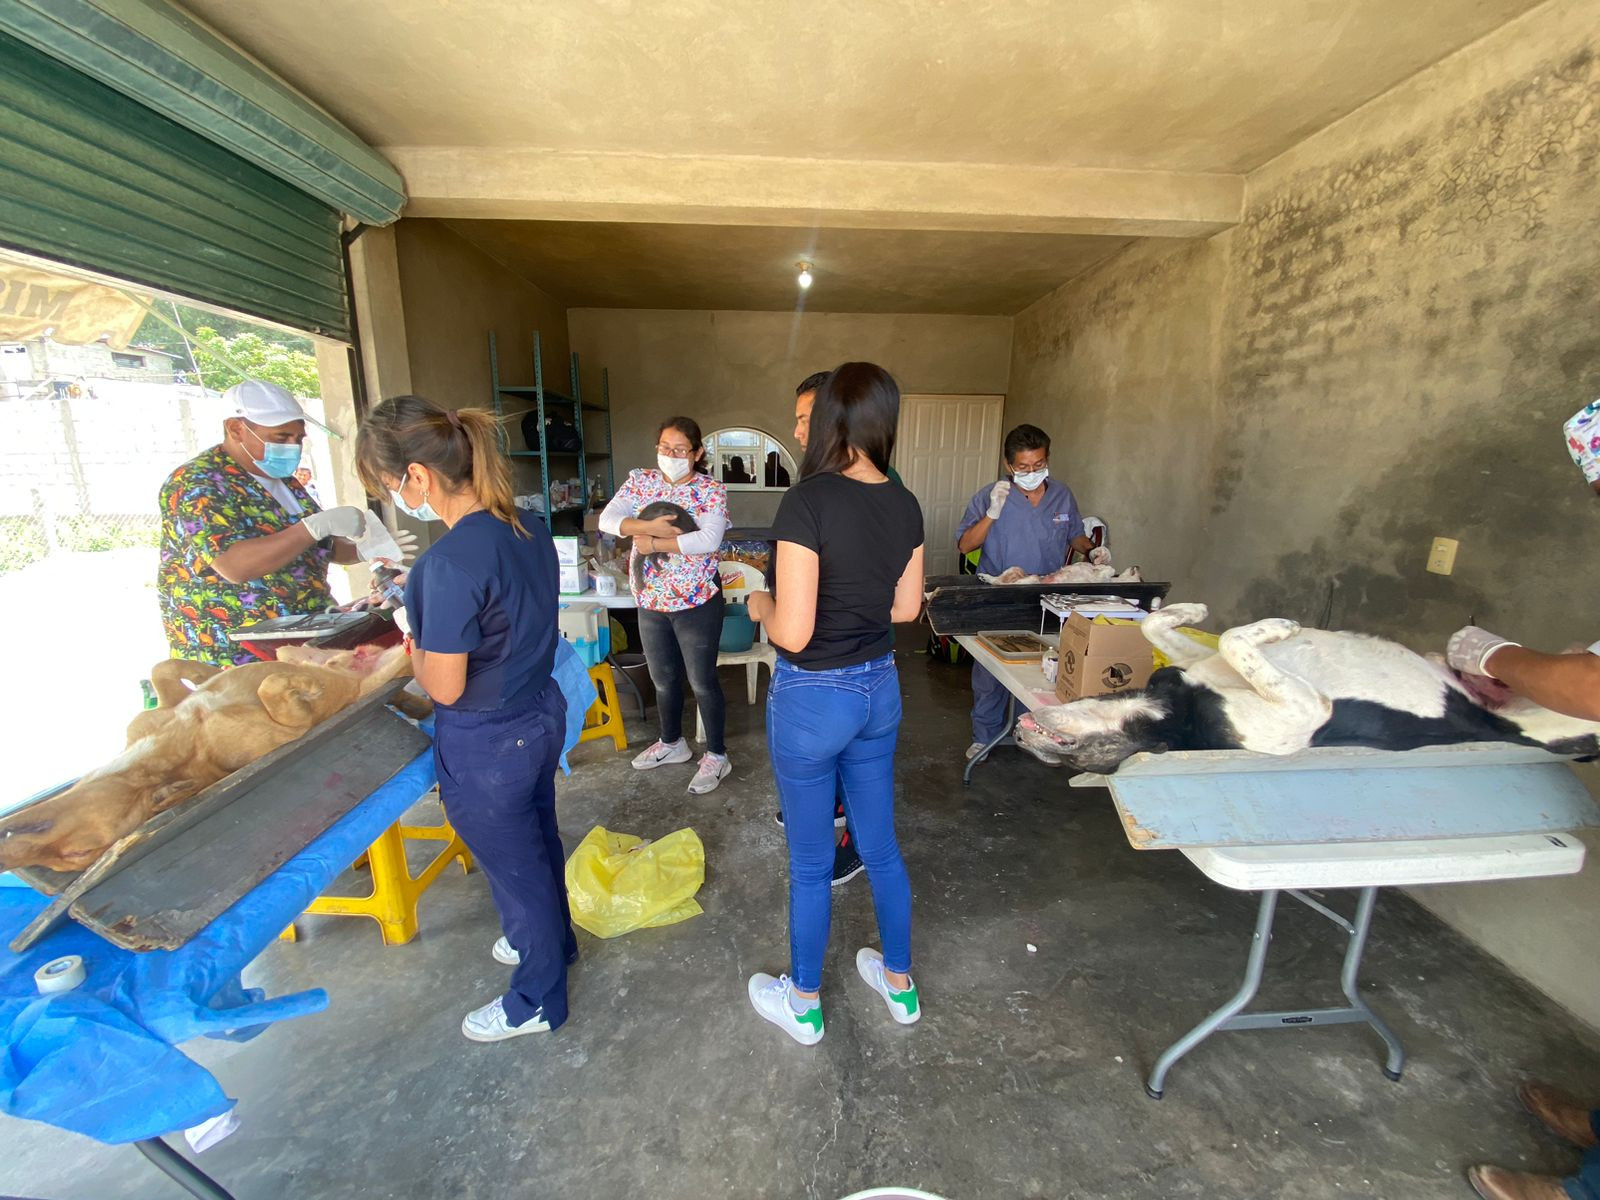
(946,448)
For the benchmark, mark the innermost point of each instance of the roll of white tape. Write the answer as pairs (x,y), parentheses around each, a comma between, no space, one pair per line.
(60,975)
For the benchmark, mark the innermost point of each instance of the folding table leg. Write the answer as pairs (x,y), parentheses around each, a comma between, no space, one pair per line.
(1348,981)
(1255,965)
(1003,738)
(181,1171)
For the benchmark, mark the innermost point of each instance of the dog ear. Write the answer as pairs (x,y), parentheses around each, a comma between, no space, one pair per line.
(290,697)
(168,794)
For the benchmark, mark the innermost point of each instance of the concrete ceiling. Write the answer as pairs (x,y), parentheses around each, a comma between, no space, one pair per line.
(610,265)
(946,155)
(1144,85)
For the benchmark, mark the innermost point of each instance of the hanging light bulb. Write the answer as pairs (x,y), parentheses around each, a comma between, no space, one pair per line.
(804,278)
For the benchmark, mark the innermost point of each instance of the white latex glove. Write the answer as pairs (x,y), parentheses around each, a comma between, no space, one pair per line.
(382,544)
(407,541)
(1471,647)
(402,621)
(997,498)
(347,521)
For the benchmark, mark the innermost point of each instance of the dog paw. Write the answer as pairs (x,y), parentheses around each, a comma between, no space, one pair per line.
(1264,632)
(1183,613)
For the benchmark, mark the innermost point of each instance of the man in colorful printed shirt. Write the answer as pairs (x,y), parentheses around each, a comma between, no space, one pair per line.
(241,541)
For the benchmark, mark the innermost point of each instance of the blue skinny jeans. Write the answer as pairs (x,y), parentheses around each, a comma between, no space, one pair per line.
(827,729)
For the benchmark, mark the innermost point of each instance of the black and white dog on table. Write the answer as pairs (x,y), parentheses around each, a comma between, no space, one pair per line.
(1276,688)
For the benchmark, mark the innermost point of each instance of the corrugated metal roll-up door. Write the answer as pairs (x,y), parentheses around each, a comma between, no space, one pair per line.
(93,178)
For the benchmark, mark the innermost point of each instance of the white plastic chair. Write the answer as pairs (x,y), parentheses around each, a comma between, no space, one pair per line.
(738,581)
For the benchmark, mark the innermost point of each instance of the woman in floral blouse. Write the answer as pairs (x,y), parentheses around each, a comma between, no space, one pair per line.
(678,593)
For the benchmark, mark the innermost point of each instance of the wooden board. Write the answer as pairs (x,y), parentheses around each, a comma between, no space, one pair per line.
(959,604)
(1236,798)
(166,881)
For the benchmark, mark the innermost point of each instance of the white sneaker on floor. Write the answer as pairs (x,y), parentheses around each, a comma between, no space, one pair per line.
(663,755)
(770,997)
(903,1006)
(972,751)
(714,768)
(489,1024)
(505,952)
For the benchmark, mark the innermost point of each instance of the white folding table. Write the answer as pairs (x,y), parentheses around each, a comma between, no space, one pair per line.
(1346,818)
(1024,681)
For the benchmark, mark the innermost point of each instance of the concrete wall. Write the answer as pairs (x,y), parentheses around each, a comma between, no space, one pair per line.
(741,368)
(1383,350)
(454,296)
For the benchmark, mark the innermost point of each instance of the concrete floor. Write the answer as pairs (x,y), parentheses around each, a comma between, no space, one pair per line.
(1022,1080)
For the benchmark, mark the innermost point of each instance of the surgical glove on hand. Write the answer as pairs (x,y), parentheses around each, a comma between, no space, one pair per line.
(997,498)
(1471,647)
(407,541)
(384,545)
(402,621)
(346,521)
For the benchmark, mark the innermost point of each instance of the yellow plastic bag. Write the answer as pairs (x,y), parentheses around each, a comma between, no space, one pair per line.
(1208,640)
(617,883)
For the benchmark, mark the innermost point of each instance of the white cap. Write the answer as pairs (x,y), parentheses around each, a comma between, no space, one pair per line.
(267,404)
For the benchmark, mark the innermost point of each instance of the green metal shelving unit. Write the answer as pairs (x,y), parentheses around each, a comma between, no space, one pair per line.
(583,456)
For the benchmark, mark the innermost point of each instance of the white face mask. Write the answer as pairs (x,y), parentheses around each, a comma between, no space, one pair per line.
(673,468)
(1031,479)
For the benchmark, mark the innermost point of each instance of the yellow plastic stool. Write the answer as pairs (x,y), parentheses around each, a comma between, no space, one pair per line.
(393,900)
(604,719)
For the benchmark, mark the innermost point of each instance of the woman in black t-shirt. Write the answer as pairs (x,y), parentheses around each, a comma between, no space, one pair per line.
(849,564)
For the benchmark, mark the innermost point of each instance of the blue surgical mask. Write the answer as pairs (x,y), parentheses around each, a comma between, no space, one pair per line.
(423,512)
(278,460)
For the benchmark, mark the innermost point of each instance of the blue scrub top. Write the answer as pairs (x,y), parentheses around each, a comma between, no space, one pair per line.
(485,591)
(1034,538)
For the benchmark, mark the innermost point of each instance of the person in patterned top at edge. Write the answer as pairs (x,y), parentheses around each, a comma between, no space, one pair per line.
(680,600)
(241,539)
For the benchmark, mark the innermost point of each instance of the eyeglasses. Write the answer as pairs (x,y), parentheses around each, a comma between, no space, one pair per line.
(673,451)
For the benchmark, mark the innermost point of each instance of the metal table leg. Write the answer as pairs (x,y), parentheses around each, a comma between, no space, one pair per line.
(1004,738)
(1231,1015)
(181,1171)
(1254,965)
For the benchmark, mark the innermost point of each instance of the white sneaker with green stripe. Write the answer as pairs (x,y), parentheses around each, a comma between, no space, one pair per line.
(903,1006)
(770,997)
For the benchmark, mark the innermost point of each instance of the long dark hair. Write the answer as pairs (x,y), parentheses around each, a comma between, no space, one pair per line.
(463,446)
(690,428)
(856,409)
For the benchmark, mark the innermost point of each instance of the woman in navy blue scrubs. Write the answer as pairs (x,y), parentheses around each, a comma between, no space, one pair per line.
(480,604)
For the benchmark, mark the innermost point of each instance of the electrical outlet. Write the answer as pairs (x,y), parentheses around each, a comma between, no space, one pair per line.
(1442,557)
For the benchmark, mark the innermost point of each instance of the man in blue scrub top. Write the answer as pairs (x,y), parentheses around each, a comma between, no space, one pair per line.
(1030,521)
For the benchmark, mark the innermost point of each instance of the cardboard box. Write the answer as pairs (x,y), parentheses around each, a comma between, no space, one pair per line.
(567,550)
(591,522)
(574,579)
(1102,658)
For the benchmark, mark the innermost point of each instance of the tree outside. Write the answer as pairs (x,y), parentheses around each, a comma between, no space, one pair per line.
(224,350)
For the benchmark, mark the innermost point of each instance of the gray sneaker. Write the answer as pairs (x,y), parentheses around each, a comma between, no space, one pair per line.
(662,755)
(714,768)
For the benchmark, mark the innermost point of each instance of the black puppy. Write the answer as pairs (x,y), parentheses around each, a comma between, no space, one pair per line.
(680,518)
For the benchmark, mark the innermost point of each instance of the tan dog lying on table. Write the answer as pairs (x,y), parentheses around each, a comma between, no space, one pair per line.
(211,722)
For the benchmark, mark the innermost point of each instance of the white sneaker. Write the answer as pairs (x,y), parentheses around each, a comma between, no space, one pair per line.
(663,755)
(972,751)
(771,999)
(714,768)
(489,1024)
(903,1006)
(505,952)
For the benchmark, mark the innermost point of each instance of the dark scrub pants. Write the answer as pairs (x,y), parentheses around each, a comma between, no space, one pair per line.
(497,778)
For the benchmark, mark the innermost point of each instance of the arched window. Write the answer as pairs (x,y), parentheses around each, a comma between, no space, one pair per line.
(749,459)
